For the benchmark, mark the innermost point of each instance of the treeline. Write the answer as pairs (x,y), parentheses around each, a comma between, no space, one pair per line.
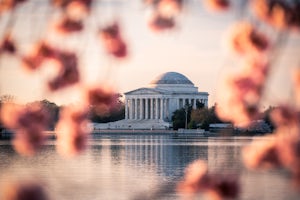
(202,117)
(190,118)
(113,114)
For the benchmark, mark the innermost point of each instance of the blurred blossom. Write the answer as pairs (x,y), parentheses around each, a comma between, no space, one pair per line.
(275,12)
(29,123)
(240,104)
(240,113)
(112,40)
(68,25)
(296,84)
(151,2)
(242,93)
(158,23)
(8,110)
(65,3)
(282,150)
(195,178)
(77,10)
(285,115)
(224,187)
(217,5)
(288,142)
(60,3)
(262,154)
(24,190)
(245,88)
(38,55)
(294,17)
(245,40)
(68,71)
(102,99)
(216,186)
(7,45)
(72,131)
(6,5)
(28,142)
(169,8)
(66,62)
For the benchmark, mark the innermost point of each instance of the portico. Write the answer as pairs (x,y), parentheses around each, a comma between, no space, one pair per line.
(167,93)
(152,107)
(155,107)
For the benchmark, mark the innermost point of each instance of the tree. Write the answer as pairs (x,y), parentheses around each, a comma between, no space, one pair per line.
(7,98)
(52,109)
(203,117)
(181,116)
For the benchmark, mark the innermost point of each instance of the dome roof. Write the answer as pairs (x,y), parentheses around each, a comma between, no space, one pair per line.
(171,78)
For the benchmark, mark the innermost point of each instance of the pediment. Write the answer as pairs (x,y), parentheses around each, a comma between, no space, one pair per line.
(144,91)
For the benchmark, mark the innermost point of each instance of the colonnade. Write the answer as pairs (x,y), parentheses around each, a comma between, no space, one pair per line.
(146,108)
(157,107)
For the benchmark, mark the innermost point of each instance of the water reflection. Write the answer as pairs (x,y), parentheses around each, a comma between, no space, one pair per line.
(127,167)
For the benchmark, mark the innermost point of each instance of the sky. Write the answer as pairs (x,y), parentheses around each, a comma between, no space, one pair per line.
(194,48)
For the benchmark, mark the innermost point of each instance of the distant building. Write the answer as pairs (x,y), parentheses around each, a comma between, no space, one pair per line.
(152,107)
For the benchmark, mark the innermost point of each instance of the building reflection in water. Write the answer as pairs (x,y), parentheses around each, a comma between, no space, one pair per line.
(120,167)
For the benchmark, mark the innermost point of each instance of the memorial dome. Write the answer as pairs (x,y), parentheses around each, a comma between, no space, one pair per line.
(171,78)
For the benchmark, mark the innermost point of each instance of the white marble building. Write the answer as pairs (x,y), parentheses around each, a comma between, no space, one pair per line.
(152,107)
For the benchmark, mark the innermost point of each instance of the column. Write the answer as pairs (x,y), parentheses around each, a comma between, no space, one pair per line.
(141,109)
(135,108)
(167,109)
(161,109)
(126,108)
(178,103)
(146,108)
(194,104)
(130,109)
(151,108)
(156,108)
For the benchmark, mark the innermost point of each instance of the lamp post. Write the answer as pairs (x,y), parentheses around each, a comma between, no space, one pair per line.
(186,113)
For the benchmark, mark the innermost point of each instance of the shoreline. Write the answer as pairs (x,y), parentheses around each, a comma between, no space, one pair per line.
(132,131)
(8,134)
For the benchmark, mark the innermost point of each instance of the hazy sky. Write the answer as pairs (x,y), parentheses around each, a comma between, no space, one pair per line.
(194,49)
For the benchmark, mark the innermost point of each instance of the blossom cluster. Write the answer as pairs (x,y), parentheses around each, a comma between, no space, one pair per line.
(163,16)
(282,150)
(29,123)
(215,185)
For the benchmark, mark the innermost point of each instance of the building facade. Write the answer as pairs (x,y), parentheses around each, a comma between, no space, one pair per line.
(152,107)
(165,94)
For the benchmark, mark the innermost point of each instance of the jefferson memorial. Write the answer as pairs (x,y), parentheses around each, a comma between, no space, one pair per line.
(152,107)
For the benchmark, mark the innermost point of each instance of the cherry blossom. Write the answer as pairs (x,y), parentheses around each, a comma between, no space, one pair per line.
(246,40)
(29,124)
(216,186)
(72,131)
(112,40)
(24,190)
(217,5)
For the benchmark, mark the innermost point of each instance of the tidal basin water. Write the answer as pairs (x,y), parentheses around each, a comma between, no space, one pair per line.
(140,167)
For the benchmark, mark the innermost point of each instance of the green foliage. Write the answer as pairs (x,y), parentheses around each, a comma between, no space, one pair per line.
(179,117)
(196,118)
(205,116)
(192,125)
